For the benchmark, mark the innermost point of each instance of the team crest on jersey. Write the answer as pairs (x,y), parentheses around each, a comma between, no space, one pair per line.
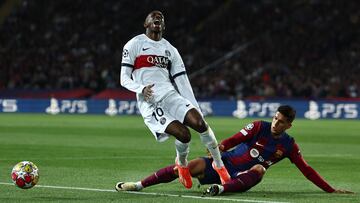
(254,153)
(125,53)
(167,53)
(249,126)
(162,121)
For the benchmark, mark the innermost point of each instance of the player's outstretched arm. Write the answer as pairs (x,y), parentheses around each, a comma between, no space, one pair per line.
(311,174)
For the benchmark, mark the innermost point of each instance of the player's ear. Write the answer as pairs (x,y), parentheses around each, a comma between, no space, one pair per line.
(146,22)
(289,126)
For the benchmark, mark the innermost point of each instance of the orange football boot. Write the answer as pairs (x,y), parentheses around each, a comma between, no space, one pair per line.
(223,173)
(184,175)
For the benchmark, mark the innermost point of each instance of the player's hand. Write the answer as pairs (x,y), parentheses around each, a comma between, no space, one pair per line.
(221,148)
(148,92)
(341,191)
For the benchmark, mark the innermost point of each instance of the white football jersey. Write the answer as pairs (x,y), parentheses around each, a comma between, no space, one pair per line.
(150,62)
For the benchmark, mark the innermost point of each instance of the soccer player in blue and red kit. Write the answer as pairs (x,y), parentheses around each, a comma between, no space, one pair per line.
(246,155)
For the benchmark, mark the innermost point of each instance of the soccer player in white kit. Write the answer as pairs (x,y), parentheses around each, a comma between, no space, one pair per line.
(150,65)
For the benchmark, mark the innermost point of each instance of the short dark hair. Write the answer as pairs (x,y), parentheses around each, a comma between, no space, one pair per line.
(288,111)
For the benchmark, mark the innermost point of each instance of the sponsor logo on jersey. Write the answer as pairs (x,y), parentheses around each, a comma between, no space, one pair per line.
(150,61)
(261,159)
(144,49)
(158,61)
(249,126)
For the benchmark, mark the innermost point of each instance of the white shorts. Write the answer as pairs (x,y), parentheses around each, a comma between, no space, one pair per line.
(159,115)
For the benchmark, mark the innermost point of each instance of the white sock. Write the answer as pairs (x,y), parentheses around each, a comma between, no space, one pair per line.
(209,140)
(182,151)
(139,186)
(221,189)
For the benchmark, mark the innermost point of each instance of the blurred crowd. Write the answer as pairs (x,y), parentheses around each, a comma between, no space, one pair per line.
(302,49)
(298,49)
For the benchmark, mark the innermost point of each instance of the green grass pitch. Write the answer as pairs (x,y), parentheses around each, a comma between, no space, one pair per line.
(78,153)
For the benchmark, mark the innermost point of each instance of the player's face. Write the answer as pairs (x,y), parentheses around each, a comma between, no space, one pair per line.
(279,124)
(155,22)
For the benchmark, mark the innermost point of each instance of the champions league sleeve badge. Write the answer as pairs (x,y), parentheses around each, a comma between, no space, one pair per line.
(125,53)
(249,126)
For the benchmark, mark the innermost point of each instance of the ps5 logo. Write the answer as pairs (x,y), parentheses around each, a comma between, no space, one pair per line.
(66,106)
(121,107)
(331,110)
(8,105)
(206,108)
(258,109)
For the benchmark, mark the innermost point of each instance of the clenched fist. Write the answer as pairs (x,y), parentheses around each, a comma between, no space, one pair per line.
(148,92)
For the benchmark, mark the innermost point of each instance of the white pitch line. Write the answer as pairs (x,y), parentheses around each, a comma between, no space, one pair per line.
(152,194)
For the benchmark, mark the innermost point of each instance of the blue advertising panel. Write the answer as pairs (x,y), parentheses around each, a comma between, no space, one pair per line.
(241,109)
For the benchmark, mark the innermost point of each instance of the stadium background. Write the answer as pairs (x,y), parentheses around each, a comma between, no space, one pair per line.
(233,50)
(244,58)
(297,49)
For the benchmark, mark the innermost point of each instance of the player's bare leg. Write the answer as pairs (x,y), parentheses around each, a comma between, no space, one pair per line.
(183,137)
(194,120)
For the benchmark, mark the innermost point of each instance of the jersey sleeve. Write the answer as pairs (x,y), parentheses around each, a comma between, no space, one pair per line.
(127,65)
(245,134)
(178,73)
(308,171)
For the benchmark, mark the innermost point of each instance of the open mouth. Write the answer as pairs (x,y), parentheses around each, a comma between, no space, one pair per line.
(157,22)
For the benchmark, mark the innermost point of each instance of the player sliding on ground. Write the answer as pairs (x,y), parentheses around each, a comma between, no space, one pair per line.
(149,65)
(247,155)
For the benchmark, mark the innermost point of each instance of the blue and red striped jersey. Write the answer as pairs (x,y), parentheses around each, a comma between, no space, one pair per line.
(254,144)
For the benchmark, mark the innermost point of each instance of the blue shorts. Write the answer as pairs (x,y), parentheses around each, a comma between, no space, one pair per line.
(211,176)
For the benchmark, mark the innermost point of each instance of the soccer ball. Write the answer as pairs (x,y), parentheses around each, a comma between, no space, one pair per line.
(25,174)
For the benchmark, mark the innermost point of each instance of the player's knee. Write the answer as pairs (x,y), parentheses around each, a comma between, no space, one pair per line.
(194,120)
(259,169)
(185,135)
(186,139)
(200,125)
